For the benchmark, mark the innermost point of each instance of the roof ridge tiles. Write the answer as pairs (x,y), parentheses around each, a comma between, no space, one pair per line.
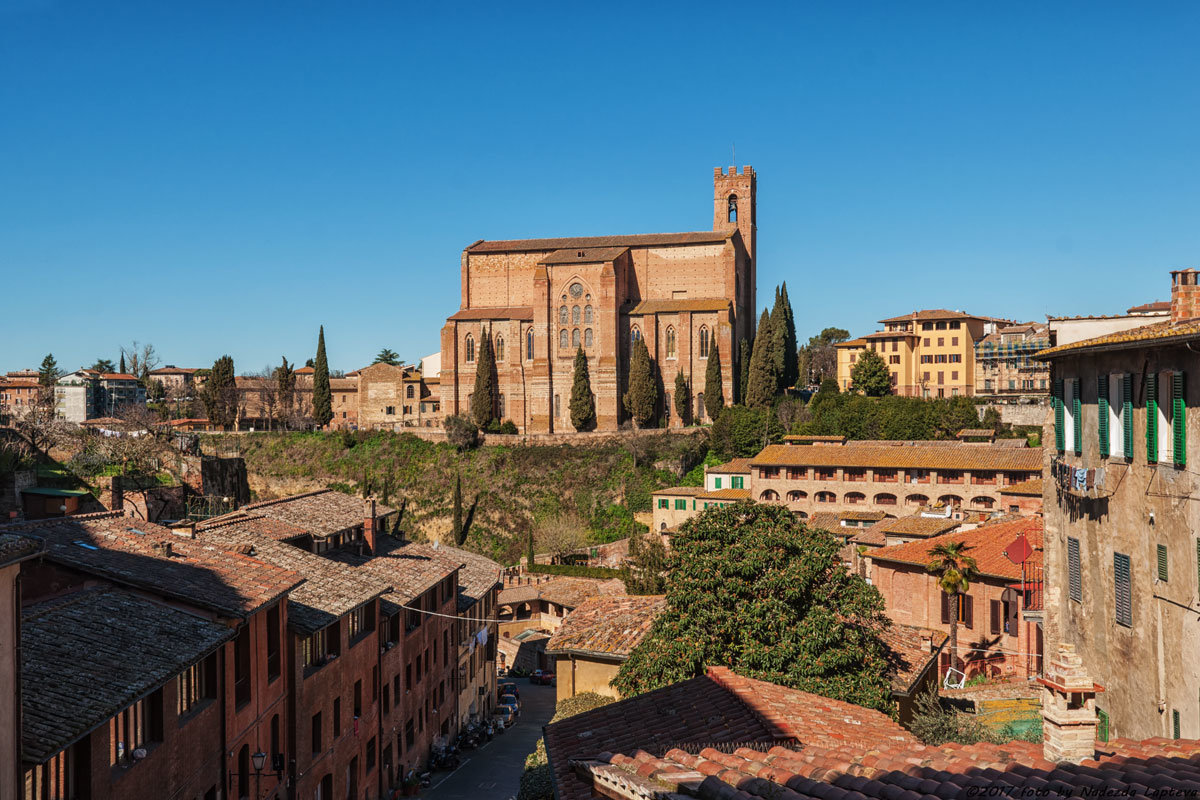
(278,500)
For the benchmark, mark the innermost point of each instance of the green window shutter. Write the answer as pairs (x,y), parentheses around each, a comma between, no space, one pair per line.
(1074,572)
(1122,590)
(1151,418)
(1102,413)
(1175,723)
(1127,413)
(1161,552)
(1102,728)
(1077,414)
(716,483)
(1178,419)
(1060,438)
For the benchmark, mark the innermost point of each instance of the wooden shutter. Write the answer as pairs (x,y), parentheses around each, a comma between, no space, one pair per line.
(1102,413)
(1161,553)
(1151,418)
(1074,576)
(997,613)
(1198,562)
(1059,434)
(1077,414)
(1127,413)
(1175,723)
(945,608)
(968,610)
(1102,728)
(1178,414)
(1123,590)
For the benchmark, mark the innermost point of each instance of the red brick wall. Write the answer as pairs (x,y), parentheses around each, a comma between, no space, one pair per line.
(251,724)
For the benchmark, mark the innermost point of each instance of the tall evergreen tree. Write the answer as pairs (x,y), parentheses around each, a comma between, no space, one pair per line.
(529,549)
(714,389)
(743,377)
(48,375)
(483,399)
(460,534)
(104,366)
(760,391)
(285,387)
(322,395)
(583,406)
(641,398)
(791,359)
(683,399)
(778,342)
(220,393)
(122,369)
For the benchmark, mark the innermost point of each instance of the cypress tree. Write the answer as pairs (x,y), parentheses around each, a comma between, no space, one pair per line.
(285,386)
(779,342)
(714,390)
(743,379)
(48,375)
(583,407)
(322,396)
(529,554)
(122,369)
(791,355)
(483,399)
(641,399)
(460,535)
(220,393)
(683,399)
(760,390)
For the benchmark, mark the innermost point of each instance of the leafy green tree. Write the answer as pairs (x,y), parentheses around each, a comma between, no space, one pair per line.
(387,356)
(683,399)
(819,357)
(714,387)
(647,564)
(583,405)
(483,399)
(461,432)
(641,398)
(954,570)
(104,366)
(763,381)
(285,387)
(791,367)
(745,350)
(220,393)
(741,432)
(752,589)
(870,375)
(460,535)
(322,395)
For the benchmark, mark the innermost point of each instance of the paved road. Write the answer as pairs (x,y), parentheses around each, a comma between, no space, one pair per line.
(494,770)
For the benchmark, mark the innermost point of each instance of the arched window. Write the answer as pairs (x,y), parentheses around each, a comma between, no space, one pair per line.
(916,500)
(950,500)
(587,315)
(470,347)
(796,496)
(703,341)
(769,496)
(826,497)
(854,497)
(700,405)
(587,338)
(562,315)
(562,339)
(801,514)
(574,315)
(670,342)
(529,343)
(662,527)
(575,338)
(983,502)
(635,335)
(409,393)
(733,208)
(499,347)
(885,499)
(500,406)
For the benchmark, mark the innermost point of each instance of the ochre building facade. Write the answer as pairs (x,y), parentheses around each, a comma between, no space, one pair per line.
(541,299)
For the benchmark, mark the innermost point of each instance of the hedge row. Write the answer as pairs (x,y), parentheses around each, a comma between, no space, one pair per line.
(576,571)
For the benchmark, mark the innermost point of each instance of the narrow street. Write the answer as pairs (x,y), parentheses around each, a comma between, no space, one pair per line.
(494,770)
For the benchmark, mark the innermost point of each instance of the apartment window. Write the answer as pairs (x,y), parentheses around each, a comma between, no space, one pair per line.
(1161,558)
(241,667)
(54,780)
(941,341)
(1122,590)
(736,482)
(941,378)
(371,754)
(361,621)
(925,341)
(1068,416)
(390,411)
(941,326)
(926,326)
(956,358)
(893,359)
(273,631)
(136,726)
(954,375)
(337,717)
(1116,438)
(680,504)
(954,341)
(1074,570)
(965,605)
(470,347)
(716,483)
(316,733)
(664,502)
(987,385)
(195,684)
(955,326)
(410,735)
(357,699)
(1102,726)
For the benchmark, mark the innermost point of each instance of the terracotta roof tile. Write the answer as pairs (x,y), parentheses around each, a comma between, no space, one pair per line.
(986,544)
(738,466)
(957,456)
(726,494)
(584,242)
(499,312)
(936,313)
(320,513)
(17,548)
(915,525)
(1031,487)
(410,568)
(584,255)
(608,626)
(87,655)
(1157,333)
(912,651)
(1158,305)
(567,592)
(681,491)
(148,556)
(799,438)
(478,576)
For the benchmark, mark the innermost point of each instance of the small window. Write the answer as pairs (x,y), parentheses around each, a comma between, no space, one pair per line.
(703,341)
(1161,553)
(529,344)
(470,348)
(587,315)
(562,315)
(635,335)
(499,349)
(575,316)
(1122,590)
(670,342)
(1074,573)
(680,504)
(575,338)
(665,503)
(587,338)
(563,339)
(409,392)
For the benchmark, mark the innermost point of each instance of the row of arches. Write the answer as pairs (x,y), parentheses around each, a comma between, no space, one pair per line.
(573,338)
(704,340)
(587,316)
(880,499)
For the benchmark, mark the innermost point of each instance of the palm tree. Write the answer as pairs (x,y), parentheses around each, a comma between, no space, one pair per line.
(954,570)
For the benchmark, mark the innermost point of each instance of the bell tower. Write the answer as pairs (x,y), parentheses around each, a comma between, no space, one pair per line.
(733,203)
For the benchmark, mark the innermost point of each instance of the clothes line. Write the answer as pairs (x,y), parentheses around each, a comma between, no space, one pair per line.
(452,616)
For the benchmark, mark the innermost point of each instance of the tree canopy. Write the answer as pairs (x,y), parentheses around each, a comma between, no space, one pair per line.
(763,381)
(870,375)
(483,398)
(387,356)
(220,393)
(104,366)
(582,405)
(818,358)
(714,387)
(752,589)
(641,398)
(322,395)
(683,399)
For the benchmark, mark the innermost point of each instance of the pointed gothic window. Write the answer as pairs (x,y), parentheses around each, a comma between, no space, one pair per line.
(470,347)
(499,347)
(587,315)
(562,315)
(574,315)
(670,342)
(575,338)
(529,343)
(587,338)
(733,208)
(562,339)
(703,341)
(635,334)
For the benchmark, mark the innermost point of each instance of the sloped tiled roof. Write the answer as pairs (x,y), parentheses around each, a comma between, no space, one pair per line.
(148,556)
(87,655)
(330,589)
(320,513)
(1158,305)
(934,313)
(499,312)
(584,242)
(738,466)
(986,544)
(607,626)
(584,255)
(275,529)
(959,456)
(676,306)
(17,548)
(1158,333)
(410,568)
(726,494)
(976,433)
(568,592)
(1031,487)
(915,525)
(911,652)
(800,438)
(684,491)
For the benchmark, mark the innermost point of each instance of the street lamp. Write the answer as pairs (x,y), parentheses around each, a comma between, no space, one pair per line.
(259,759)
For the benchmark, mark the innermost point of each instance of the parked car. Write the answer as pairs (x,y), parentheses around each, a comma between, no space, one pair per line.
(507,687)
(508,714)
(542,677)
(511,700)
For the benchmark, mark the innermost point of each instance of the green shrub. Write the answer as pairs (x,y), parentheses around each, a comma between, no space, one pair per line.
(576,571)
(461,432)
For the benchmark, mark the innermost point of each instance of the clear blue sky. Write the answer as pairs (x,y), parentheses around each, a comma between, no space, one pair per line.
(223,177)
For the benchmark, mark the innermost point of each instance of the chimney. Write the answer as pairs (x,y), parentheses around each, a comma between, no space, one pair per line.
(369,529)
(1068,709)
(118,494)
(1185,295)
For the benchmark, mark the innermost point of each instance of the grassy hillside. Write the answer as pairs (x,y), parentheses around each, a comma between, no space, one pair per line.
(606,482)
